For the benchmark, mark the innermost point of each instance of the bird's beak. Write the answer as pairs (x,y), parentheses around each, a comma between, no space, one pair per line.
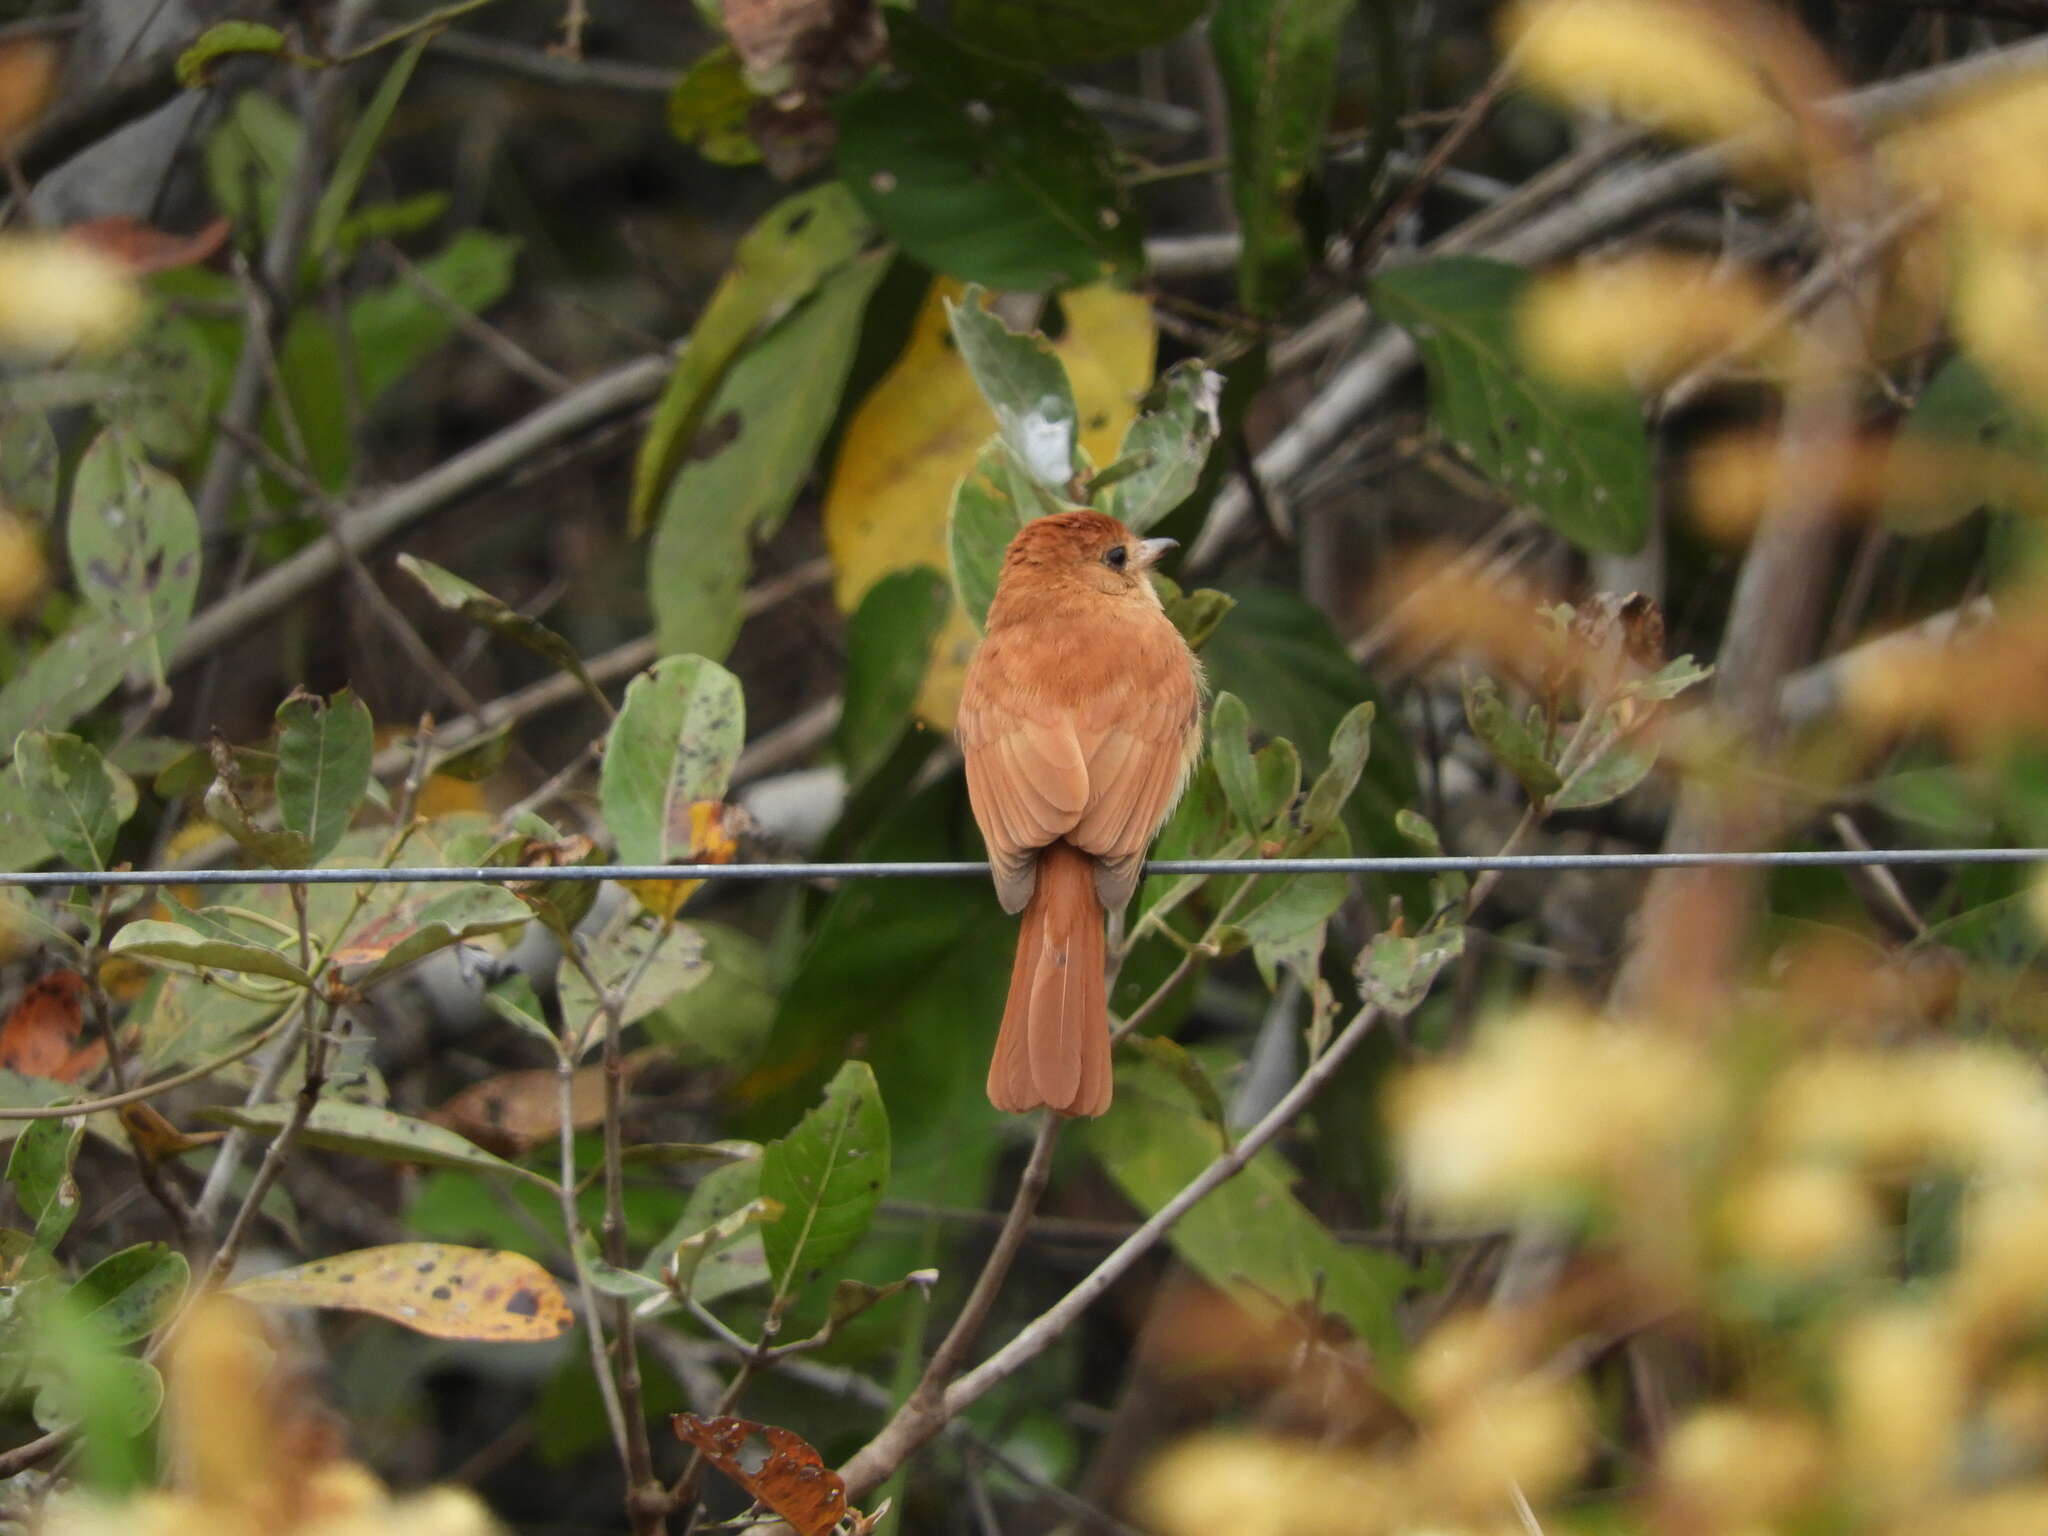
(1151,551)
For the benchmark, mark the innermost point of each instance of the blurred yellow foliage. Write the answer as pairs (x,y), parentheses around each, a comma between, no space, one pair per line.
(919,431)
(1671,65)
(59,296)
(1644,320)
(23,572)
(248,1458)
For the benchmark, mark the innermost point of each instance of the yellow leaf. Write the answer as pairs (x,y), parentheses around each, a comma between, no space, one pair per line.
(441,1289)
(22,571)
(919,431)
(59,295)
(713,826)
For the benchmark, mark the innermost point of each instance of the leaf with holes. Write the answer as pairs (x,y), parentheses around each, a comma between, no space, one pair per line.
(827,1174)
(442,1289)
(1021,378)
(677,737)
(323,766)
(984,169)
(1166,447)
(78,800)
(776,1467)
(1581,461)
(760,439)
(794,247)
(134,544)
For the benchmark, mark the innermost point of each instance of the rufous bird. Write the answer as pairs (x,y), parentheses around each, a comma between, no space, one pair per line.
(1080,719)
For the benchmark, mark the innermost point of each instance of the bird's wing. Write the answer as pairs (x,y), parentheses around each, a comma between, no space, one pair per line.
(1137,736)
(1026,776)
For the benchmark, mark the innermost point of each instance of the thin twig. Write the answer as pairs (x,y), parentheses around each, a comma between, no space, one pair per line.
(916,1423)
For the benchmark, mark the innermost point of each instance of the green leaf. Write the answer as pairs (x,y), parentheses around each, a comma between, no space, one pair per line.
(425,919)
(984,169)
(353,163)
(1513,742)
(1230,749)
(1299,903)
(323,766)
(724,1018)
(759,443)
(1277,776)
(476,759)
(29,462)
(1251,1237)
(452,593)
(134,549)
(1057,34)
(1580,461)
(366,1131)
(251,157)
(220,40)
(1395,972)
(66,678)
(39,1169)
(792,249)
(716,1243)
(1195,614)
(888,649)
(678,734)
(175,944)
(1025,384)
(827,1174)
(621,953)
(1278,63)
(1420,831)
(1612,772)
(709,107)
(686,1255)
(130,1292)
(1350,748)
(78,801)
(850,1298)
(227,808)
(1171,443)
(993,500)
(1179,1063)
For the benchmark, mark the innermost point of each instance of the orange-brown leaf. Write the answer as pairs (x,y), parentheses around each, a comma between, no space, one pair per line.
(156,1138)
(514,1112)
(28,79)
(791,1479)
(41,1037)
(141,248)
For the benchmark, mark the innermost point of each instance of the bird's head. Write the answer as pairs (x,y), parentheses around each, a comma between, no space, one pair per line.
(1086,549)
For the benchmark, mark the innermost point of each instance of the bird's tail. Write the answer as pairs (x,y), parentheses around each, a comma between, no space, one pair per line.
(1054,1045)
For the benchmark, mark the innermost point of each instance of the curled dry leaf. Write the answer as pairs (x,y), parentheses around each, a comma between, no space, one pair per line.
(139,248)
(797,55)
(514,1112)
(441,1289)
(42,1036)
(790,1478)
(156,1138)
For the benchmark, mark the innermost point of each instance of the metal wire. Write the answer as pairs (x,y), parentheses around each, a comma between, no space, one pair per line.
(933,869)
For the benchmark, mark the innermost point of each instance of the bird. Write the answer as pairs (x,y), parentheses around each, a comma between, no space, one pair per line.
(1080,721)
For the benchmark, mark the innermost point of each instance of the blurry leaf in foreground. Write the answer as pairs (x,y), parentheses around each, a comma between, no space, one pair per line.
(1997,305)
(1668,64)
(23,571)
(1982,444)
(141,248)
(922,427)
(786,1475)
(43,1035)
(434,1288)
(134,544)
(29,67)
(59,296)
(1641,321)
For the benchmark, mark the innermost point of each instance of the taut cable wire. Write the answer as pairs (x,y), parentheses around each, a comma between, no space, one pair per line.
(940,869)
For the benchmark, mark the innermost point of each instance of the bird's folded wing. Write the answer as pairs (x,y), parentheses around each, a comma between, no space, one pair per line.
(1135,739)
(1027,782)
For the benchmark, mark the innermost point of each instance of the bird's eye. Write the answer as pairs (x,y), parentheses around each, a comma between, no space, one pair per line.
(1116,558)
